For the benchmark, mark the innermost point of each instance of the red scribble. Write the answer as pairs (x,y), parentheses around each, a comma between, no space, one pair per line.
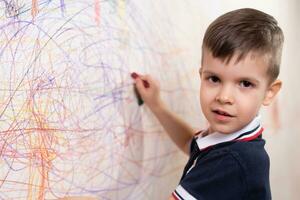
(97,12)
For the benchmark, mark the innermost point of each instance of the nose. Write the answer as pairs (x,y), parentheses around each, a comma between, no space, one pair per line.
(225,95)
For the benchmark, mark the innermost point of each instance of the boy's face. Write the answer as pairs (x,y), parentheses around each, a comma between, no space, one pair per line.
(231,94)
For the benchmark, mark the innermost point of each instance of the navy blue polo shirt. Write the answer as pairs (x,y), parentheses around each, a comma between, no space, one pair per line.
(227,166)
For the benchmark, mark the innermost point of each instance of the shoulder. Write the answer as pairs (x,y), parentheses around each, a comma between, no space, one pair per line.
(216,175)
(246,155)
(229,171)
(251,155)
(254,163)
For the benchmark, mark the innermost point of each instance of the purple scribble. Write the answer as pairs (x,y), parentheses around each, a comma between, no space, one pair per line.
(62,6)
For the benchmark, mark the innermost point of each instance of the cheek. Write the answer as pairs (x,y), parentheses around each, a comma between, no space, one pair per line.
(202,93)
(249,104)
(206,95)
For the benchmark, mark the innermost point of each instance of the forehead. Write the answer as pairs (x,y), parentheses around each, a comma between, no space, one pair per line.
(253,64)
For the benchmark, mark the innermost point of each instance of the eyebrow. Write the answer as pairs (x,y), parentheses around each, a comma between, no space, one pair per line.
(206,72)
(250,79)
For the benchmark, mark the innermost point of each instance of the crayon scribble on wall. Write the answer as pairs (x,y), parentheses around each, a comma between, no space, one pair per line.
(69,122)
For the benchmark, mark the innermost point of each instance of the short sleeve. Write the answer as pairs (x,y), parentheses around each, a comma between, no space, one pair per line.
(217,176)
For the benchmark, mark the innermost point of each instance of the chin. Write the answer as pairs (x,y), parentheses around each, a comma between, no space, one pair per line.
(223,130)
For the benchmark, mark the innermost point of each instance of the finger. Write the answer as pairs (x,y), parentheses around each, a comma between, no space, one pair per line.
(140,85)
(136,76)
(148,78)
(144,81)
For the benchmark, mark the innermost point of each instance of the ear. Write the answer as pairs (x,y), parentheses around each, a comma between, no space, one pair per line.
(271,92)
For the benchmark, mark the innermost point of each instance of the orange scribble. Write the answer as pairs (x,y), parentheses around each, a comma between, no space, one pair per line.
(34,8)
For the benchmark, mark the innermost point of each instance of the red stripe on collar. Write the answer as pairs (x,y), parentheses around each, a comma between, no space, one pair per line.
(252,137)
(217,138)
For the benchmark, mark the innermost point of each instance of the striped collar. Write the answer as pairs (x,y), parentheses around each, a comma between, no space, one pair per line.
(249,132)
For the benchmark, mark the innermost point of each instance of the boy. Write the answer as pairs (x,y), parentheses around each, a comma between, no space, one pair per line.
(241,55)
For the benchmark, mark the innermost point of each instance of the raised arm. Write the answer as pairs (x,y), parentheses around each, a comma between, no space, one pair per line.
(177,129)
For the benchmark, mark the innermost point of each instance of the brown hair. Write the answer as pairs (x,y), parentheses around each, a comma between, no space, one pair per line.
(242,31)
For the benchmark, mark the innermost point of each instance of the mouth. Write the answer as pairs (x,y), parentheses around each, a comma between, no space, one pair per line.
(222,113)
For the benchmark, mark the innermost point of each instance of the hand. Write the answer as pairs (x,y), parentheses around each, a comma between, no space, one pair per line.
(148,89)
(178,130)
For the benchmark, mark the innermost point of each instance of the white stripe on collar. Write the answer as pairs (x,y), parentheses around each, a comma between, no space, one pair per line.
(216,138)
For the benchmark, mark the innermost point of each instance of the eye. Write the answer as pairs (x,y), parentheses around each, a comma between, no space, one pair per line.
(213,79)
(246,84)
